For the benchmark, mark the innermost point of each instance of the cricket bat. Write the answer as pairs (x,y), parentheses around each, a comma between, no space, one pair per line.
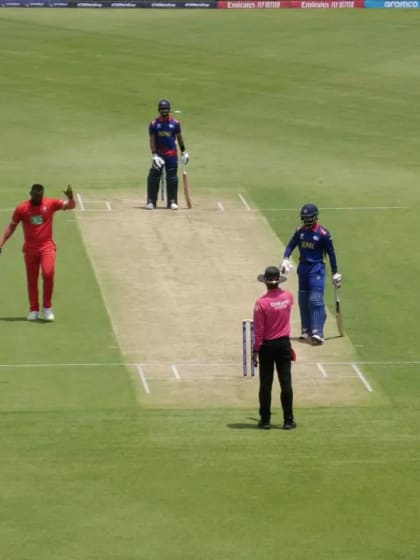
(187,188)
(338,313)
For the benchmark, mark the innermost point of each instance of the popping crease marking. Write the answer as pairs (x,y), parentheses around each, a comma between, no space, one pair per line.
(198,364)
(143,378)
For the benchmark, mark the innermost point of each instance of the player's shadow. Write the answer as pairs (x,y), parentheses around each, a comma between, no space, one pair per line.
(39,321)
(252,425)
(154,209)
(308,341)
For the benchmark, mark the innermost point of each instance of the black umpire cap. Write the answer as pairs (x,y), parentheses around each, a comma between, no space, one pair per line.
(271,276)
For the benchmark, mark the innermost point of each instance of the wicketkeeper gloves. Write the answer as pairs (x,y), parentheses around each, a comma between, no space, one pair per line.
(337,279)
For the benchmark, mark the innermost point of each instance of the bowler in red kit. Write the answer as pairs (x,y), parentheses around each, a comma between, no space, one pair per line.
(36,216)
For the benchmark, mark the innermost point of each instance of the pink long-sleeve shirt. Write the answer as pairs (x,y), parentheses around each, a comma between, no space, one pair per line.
(272,316)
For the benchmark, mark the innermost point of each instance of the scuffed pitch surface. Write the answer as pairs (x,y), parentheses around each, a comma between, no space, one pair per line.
(177,285)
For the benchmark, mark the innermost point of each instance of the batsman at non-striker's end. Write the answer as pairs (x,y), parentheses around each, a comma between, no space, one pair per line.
(164,136)
(314,243)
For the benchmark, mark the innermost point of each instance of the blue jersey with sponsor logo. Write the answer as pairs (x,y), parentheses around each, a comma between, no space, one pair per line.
(165,132)
(313,244)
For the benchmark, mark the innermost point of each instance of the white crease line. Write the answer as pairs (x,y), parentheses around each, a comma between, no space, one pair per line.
(244,202)
(322,370)
(262,209)
(108,205)
(143,378)
(221,207)
(175,371)
(79,198)
(94,210)
(365,208)
(362,378)
(96,200)
(191,364)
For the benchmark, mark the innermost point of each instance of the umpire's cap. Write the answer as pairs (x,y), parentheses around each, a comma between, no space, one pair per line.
(271,276)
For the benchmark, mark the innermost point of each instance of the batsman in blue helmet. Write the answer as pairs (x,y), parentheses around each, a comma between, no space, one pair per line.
(164,137)
(314,243)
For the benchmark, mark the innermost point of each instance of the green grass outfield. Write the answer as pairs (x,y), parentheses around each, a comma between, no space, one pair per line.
(286,107)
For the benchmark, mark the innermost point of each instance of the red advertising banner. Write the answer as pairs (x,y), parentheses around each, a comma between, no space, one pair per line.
(277,4)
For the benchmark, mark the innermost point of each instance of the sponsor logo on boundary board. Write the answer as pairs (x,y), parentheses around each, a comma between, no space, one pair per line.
(211,4)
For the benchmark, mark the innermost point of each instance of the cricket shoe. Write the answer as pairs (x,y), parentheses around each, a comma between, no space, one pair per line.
(33,316)
(304,335)
(317,340)
(264,424)
(48,314)
(150,206)
(173,206)
(289,425)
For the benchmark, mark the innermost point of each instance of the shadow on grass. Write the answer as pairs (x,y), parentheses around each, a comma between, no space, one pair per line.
(252,425)
(25,319)
(308,340)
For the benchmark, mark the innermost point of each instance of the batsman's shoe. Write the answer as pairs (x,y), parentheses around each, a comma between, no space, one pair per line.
(33,316)
(150,206)
(289,425)
(173,206)
(48,314)
(317,340)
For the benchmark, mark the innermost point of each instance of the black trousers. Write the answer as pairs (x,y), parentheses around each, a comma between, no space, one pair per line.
(153,184)
(276,353)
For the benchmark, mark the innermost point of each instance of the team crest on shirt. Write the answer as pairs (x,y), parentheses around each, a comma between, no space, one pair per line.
(37,220)
(315,238)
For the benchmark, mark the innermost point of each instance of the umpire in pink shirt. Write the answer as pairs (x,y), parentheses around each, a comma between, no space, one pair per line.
(272,346)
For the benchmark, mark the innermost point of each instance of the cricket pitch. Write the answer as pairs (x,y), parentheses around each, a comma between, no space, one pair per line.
(177,285)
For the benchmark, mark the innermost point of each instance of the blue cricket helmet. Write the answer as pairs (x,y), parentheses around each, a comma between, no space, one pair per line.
(164,105)
(309,214)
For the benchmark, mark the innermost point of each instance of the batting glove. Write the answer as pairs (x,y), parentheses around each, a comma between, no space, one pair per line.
(157,162)
(286,266)
(337,280)
(185,158)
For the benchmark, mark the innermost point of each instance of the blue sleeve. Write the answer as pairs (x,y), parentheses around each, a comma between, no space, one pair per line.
(329,249)
(291,246)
